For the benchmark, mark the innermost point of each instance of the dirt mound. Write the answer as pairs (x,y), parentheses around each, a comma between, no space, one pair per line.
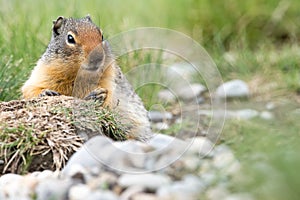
(42,133)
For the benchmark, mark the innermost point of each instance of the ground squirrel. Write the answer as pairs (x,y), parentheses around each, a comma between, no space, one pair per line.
(79,63)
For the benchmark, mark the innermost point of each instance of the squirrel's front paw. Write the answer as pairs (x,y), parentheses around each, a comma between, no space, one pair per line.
(98,94)
(49,93)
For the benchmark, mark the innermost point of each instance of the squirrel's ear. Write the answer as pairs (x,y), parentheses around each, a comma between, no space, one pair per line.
(88,17)
(57,24)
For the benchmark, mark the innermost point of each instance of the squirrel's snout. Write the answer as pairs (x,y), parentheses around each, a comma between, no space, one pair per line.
(95,59)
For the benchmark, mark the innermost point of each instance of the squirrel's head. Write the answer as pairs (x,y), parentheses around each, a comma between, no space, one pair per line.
(74,40)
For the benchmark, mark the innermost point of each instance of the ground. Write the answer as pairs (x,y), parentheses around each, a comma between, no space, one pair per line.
(256,41)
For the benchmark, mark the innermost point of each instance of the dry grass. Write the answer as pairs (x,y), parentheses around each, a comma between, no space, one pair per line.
(42,133)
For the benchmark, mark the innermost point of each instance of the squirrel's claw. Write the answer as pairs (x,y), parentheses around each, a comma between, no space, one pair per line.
(49,93)
(98,94)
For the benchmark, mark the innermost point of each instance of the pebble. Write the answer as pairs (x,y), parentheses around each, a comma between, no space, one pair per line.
(149,181)
(217,193)
(131,191)
(156,116)
(240,196)
(18,187)
(191,162)
(266,115)
(181,73)
(225,161)
(44,174)
(242,114)
(86,155)
(208,177)
(7,179)
(233,89)
(161,141)
(223,157)
(103,181)
(270,106)
(144,196)
(200,100)
(189,188)
(131,149)
(79,192)
(166,96)
(201,146)
(159,126)
(52,189)
(102,195)
(191,91)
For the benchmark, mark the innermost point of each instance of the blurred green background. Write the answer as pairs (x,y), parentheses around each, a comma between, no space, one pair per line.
(253,40)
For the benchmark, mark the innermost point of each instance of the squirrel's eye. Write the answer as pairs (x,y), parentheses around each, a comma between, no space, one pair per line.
(71,39)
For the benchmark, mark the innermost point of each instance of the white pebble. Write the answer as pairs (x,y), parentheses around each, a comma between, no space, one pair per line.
(150,181)
(232,89)
(266,115)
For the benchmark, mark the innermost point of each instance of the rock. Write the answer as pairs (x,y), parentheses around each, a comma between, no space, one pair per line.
(239,196)
(79,192)
(200,100)
(44,174)
(156,116)
(149,181)
(86,155)
(103,180)
(208,178)
(132,148)
(270,106)
(161,141)
(2,195)
(14,186)
(201,146)
(266,115)
(7,179)
(189,188)
(98,151)
(131,191)
(223,157)
(217,193)
(166,96)
(191,91)
(180,73)
(191,162)
(161,126)
(225,160)
(195,183)
(76,170)
(242,114)
(167,150)
(144,196)
(52,189)
(233,89)
(102,195)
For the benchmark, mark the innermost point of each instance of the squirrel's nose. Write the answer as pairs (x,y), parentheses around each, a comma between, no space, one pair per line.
(95,59)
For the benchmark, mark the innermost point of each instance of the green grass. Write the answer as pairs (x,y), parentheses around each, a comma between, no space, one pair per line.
(253,40)
(268,151)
